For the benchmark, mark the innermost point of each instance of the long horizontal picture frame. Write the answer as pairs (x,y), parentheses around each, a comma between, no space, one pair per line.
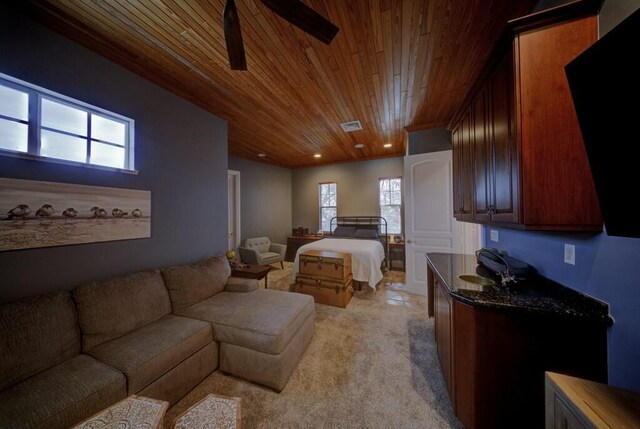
(44,214)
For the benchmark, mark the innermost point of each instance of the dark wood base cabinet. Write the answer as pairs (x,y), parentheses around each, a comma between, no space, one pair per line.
(294,243)
(518,155)
(493,361)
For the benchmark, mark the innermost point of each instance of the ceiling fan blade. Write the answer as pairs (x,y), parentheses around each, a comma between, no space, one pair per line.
(233,36)
(305,18)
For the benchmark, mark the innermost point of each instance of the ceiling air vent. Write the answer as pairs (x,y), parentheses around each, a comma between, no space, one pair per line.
(352,126)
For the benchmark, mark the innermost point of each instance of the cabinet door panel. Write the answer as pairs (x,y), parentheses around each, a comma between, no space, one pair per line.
(443,334)
(481,159)
(558,188)
(467,167)
(457,172)
(563,417)
(505,145)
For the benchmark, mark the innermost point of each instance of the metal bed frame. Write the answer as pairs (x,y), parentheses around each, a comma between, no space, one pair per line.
(365,222)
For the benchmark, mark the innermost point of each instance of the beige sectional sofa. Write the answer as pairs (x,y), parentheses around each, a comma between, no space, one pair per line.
(65,356)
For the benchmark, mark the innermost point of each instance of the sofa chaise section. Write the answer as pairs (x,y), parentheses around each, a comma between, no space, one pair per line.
(44,380)
(126,322)
(262,333)
(263,320)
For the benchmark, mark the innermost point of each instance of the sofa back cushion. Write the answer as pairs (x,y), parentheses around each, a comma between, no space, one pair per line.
(111,308)
(192,283)
(35,334)
(261,244)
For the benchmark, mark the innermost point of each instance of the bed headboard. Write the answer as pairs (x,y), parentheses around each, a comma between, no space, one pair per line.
(376,223)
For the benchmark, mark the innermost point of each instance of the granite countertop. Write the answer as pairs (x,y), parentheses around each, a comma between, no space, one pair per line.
(536,295)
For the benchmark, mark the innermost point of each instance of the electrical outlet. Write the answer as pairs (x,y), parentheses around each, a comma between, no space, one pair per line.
(569,254)
(494,235)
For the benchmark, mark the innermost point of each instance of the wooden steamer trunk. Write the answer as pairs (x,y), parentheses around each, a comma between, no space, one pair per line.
(326,276)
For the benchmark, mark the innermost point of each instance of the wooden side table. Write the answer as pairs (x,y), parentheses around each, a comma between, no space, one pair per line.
(248,271)
(213,412)
(132,412)
(398,246)
(575,403)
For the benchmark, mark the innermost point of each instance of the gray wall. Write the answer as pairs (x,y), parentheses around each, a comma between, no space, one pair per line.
(357,188)
(615,11)
(181,153)
(265,199)
(425,141)
(611,14)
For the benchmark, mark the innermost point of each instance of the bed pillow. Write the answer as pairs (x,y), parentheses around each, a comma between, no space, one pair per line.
(366,233)
(344,231)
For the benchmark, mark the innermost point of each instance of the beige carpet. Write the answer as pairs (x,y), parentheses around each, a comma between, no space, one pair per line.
(372,365)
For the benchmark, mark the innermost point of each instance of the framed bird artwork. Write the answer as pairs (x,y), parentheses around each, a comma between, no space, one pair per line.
(44,214)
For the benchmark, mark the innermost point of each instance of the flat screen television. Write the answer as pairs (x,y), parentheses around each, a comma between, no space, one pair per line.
(605,86)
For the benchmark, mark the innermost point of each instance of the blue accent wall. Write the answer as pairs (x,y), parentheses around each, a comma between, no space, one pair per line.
(607,268)
(181,155)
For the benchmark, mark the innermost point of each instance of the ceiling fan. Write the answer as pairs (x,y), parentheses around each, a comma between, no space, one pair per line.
(294,11)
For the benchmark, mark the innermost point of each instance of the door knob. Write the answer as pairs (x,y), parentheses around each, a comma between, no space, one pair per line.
(409,241)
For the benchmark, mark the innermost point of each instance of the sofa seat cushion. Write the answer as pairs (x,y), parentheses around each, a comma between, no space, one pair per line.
(263,320)
(35,334)
(62,395)
(270,256)
(240,284)
(108,309)
(147,353)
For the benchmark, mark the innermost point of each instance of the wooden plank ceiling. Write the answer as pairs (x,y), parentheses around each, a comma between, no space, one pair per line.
(393,64)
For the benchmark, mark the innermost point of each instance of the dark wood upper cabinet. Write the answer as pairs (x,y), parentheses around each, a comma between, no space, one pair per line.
(521,158)
(466,146)
(482,158)
(456,141)
(504,150)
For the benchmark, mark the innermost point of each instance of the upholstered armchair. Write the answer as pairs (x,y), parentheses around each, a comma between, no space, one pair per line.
(261,251)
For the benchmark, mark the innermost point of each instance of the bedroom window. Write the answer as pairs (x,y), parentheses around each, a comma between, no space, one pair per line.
(391,203)
(328,202)
(36,123)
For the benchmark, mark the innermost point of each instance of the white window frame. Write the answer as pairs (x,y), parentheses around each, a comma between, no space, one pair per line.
(36,94)
(380,205)
(320,206)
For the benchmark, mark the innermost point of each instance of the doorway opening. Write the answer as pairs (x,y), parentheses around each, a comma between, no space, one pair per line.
(233,190)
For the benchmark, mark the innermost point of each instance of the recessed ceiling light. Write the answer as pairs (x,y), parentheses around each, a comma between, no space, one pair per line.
(359,146)
(388,145)
(317,155)
(262,155)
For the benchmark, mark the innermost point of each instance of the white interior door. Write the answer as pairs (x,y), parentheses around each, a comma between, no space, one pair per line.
(429,222)
(233,191)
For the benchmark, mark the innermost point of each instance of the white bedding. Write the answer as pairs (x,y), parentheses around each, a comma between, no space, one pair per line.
(366,257)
